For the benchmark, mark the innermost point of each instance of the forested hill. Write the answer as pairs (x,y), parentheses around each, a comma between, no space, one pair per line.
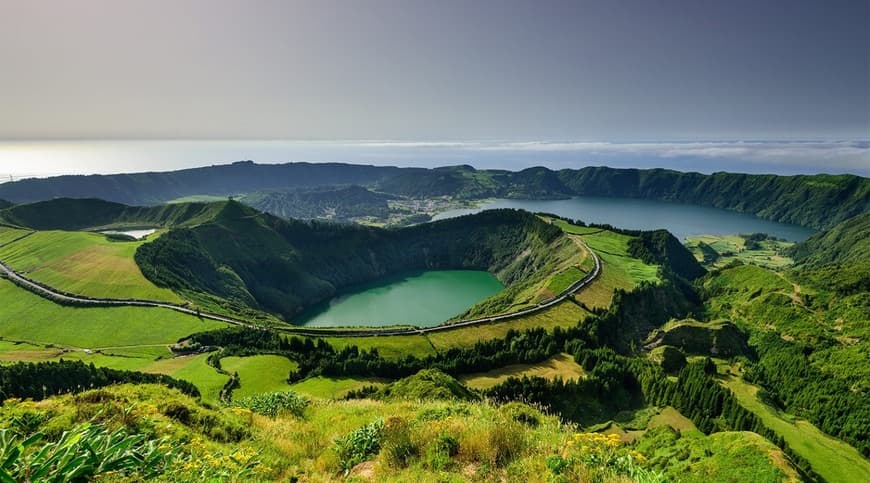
(818,201)
(847,242)
(5,204)
(89,214)
(282,266)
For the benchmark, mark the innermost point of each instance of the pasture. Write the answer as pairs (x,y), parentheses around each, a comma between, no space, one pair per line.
(258,374)
(831,458)
(82,263)
(559,366)
(28,317)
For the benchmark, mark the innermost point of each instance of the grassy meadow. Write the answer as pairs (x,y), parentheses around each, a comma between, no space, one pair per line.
(82,263)
(28,317)
(721,250)
(258,374)
(559,366)
(831,458)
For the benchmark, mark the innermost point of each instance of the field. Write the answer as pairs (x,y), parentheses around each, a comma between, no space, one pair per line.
(618,269)
(28,317)
(718,251)
(565,314)
(333,388)
(82,263)
(257,374)
(831,458)
(561,366)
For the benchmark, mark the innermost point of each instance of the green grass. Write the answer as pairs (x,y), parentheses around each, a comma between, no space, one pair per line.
(259,374)
(83,263)
(28,317)
(333,388)
(831,458)
(561,366)
(203,376)
(731,456)
(619,270)
(564,279)
(733,247)
(9,235)
(390,347)
(565,314)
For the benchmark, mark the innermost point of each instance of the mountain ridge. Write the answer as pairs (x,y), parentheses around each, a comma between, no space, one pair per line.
(818,201)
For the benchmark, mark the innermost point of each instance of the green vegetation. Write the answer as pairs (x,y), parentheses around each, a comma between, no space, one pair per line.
(717,338)
(334,387)
(90,327)
(720,457)
(273,404)
(258,261)
(82,263)
(561,366)
(718,251)
(832,459)
(96,214)
(81,453)
(259,374)
(818,201)
(391,441)
(845,243)
(338,204)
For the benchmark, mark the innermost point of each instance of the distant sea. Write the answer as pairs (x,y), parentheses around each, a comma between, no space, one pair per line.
(21,159)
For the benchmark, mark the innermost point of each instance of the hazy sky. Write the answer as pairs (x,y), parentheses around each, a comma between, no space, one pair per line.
(432,70)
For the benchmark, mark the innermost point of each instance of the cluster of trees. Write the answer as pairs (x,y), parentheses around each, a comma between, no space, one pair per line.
(39,380)
(622,327)
(792,382)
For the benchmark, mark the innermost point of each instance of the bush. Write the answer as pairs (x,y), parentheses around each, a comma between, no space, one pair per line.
(80,454)
(360,444)
(274,403)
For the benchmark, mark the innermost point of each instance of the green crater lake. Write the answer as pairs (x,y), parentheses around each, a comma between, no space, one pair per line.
(422,298)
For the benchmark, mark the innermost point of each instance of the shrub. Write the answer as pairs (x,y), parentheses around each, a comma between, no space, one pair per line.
(274,403)
(360,444)
(81,453)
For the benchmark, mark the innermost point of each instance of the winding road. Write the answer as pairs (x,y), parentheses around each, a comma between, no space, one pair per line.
(66,298)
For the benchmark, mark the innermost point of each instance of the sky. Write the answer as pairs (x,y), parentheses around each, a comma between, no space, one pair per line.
(537,75)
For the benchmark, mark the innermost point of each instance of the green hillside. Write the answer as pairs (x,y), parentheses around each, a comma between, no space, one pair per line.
(283,266)
(94,214)
(846,243)
(817,201)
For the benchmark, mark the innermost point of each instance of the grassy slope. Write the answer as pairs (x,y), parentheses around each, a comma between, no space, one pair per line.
(619,270)
(733,247)
(759,299)
(332,387)
(831,458)
(257,374)
(82,263)
(25,316)
(559,366)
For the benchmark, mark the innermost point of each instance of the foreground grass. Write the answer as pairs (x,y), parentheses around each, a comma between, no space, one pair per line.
(258,374)
(831,458)
(559,366)
(28,317)
(82,263)
(419,441)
